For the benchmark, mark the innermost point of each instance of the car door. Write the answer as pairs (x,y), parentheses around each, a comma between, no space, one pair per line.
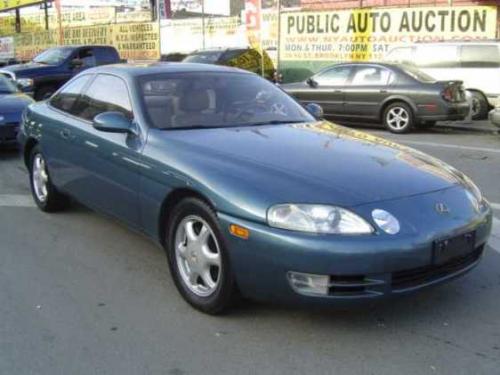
(56,125)
(327,89)
(105,167)
(369,86)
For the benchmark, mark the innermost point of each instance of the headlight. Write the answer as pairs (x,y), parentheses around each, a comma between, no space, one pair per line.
(477,198)
(317,219)
(24,82)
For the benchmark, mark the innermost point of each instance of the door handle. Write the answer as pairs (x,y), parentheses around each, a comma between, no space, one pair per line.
(383,91)
(337,91)
(65,133)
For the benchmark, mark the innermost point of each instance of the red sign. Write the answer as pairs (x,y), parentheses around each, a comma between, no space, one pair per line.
(252,12)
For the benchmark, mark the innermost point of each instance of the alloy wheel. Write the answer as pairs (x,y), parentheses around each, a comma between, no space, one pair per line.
(198,256)
(398,118)
(40,178)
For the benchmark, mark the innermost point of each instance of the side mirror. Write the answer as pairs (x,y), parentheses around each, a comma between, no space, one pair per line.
(311,82)
(114,122)
(76,63)
(316,110)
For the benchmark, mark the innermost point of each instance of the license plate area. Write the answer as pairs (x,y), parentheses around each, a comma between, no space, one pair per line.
(449,248)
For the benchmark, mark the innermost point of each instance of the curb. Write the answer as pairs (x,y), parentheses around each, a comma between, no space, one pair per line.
(469,128)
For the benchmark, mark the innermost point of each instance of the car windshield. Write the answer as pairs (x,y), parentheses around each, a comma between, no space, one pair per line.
(216,100)
(204,57)
(417,74)
(7,86)
(53,56)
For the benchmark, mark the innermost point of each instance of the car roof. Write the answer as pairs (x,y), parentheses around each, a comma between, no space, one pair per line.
(140,69)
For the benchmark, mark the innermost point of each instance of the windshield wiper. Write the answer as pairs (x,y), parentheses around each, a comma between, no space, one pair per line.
(274,122)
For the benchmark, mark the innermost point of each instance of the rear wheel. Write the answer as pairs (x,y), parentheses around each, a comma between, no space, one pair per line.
(479,106)
(198,258)
(398,118)
(45,195)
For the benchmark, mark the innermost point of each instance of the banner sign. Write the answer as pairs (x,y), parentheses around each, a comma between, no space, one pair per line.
(368,34)
(12,4)
(7,48)
(134,41)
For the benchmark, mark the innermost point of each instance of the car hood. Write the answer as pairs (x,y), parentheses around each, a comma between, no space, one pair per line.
(308,163)
(29,69)
(14,103)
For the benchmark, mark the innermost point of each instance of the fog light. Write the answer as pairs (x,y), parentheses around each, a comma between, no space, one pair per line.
(309,284)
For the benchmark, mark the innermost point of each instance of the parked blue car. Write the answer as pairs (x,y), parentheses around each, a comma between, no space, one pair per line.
(248,192)
(12,105)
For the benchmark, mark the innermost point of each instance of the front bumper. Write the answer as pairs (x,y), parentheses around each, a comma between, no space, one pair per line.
(365,267)
(495,117)
(8,134)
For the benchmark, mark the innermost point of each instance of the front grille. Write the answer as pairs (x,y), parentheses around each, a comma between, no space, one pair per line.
(418,276)
(8,132)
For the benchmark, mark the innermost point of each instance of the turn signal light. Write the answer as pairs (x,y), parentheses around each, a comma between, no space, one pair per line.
(238,231)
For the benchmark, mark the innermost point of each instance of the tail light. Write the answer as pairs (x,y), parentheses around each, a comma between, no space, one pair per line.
(447,94)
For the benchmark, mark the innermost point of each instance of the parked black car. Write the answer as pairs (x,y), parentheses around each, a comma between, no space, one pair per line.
(398,96)
(244,58)
(55,66)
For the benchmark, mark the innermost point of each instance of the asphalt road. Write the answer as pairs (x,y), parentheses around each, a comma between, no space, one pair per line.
(81,294)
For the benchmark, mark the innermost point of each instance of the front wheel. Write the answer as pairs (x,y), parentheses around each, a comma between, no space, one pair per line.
(398,118)
(198,258)
(45,195)
(479,106)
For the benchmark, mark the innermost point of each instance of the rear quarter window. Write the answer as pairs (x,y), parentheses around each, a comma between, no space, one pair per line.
(105,56)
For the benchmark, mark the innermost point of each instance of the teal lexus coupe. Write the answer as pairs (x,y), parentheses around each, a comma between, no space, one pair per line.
(248,192)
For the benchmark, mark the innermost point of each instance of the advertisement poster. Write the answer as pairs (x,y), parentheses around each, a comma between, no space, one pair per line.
(7,48)
(368,34)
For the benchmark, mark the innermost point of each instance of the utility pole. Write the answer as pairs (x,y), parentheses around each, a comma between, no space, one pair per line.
(46,10)
(158,13)
(203,22)
(278,47)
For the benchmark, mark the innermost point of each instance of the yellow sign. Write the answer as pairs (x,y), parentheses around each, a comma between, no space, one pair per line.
(368,34)
(11,4)
(134,41)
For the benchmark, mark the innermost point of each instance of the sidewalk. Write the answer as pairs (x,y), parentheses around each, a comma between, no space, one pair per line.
(484,126)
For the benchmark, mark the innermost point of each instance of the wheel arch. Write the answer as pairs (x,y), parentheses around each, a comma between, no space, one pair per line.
(482,94)
(28,147)
(396,99)
(169,202)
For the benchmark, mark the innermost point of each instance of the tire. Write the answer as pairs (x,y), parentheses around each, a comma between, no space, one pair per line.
(479,106)
(398,118)
(45,195)
(44,92)
(216,291)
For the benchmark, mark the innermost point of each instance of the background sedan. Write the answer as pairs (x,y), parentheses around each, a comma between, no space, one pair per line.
(397,96)
(12,105)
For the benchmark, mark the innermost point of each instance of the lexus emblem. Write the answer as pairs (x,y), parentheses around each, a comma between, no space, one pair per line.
(441,208)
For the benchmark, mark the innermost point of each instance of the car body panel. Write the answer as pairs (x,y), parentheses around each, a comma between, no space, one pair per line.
(242,171)
(12,107)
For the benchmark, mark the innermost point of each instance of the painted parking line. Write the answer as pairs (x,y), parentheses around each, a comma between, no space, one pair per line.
(16,200)
(448,145)
(495,206)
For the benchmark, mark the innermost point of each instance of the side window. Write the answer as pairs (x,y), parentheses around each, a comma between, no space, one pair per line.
(66,98)
(436,56)
(105,55)
(106,93)
(87,57)
(402,55)
(480,56)
(371,76)
(333,77)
